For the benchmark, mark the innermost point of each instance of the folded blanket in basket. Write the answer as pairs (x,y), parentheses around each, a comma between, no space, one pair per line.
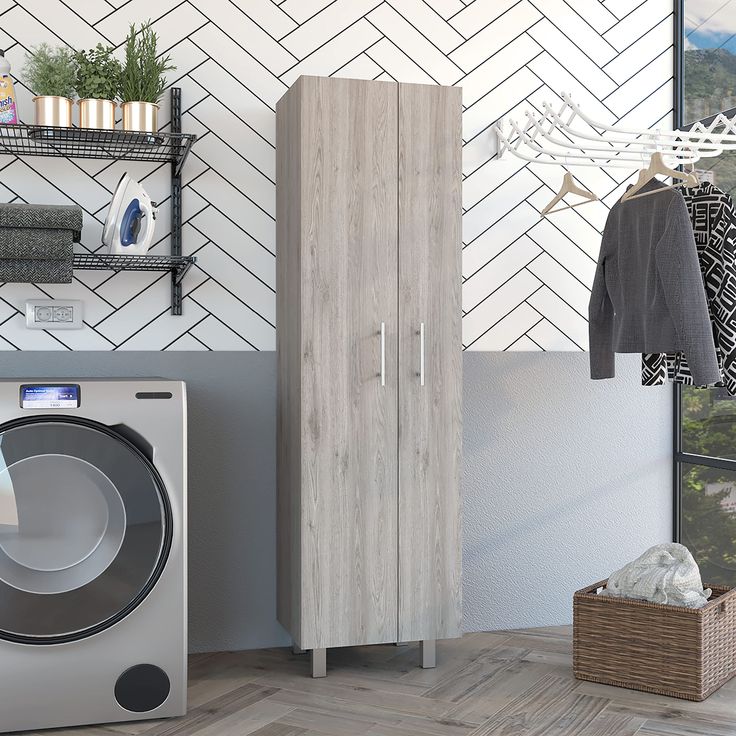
(36,243)
(665,573)
(47,216)
(29,271)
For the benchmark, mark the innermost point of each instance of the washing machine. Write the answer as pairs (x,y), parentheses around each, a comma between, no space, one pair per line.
(93,593)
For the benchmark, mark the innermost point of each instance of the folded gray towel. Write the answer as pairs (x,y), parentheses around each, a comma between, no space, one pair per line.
(49,216)
(27,271)
(35,243)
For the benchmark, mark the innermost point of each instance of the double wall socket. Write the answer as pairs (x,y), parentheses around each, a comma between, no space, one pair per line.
(54,314)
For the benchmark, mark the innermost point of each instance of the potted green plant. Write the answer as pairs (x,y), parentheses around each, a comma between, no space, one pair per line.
(51,74)
(98,85)
(143,79)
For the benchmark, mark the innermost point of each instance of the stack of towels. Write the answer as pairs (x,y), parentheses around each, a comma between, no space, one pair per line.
(37,242)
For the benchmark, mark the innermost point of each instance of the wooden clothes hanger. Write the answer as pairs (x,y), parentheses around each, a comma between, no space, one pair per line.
(657,167)
(568,187)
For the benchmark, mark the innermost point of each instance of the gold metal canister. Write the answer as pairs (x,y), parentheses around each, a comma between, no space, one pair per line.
(51,110)
(140,116)
(98,114)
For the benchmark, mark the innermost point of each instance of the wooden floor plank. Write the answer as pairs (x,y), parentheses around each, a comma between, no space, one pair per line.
(511,683)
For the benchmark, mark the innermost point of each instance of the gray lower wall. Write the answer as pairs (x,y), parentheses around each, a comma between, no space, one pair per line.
(565,479)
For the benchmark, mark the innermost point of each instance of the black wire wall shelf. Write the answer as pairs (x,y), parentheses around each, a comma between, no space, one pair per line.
(118,145)
(178,265)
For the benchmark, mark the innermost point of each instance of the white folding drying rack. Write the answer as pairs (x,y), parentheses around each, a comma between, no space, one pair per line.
(551,137)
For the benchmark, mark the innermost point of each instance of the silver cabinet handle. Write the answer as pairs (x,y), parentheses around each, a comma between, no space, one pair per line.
(421,354)
(383,353)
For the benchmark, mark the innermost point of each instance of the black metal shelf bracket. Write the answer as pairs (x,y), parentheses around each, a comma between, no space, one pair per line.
(170,147)
(176,204)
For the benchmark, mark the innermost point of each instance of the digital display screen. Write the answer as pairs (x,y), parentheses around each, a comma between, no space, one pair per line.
(39,396)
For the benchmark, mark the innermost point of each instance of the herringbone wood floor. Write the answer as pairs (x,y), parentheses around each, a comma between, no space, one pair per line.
(515,683)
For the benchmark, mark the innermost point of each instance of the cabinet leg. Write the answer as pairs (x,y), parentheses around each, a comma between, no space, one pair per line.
(319,663)
(428,648)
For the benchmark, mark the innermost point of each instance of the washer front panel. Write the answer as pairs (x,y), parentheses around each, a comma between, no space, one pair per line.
(85,528)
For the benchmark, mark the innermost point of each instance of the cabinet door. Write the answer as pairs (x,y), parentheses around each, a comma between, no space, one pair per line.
(430,362)
(349,132)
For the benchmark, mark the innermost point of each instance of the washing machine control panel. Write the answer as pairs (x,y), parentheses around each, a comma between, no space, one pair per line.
(49,396)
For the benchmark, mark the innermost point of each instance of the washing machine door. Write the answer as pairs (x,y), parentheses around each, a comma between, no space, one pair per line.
(85,528)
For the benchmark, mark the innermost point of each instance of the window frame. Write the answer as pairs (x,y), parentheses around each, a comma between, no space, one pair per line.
(679,456)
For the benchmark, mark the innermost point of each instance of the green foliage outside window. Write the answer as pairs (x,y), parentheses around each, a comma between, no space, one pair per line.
(708,526)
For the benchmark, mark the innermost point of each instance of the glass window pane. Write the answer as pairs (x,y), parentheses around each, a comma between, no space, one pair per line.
(709,521)
(710,61)
(719,170)
(709,422)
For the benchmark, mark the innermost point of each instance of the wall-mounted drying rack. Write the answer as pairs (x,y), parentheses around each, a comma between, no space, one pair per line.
(119,145)
(568,137)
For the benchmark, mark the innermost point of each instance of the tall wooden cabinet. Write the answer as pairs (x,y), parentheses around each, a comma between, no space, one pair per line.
(369,363)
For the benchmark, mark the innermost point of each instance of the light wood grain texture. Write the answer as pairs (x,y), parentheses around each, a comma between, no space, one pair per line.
(288,339)
(430,433)
(368,218)
(478,689)
(346,584)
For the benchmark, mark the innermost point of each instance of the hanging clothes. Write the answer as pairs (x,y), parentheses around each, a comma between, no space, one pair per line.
(713,216)
(648,294)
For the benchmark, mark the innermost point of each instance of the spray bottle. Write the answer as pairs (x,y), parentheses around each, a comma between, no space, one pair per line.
(8,110)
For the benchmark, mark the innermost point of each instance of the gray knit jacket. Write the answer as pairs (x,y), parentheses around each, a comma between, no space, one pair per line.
(648,294)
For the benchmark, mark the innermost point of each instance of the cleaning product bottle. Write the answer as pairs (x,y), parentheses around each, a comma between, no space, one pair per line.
(8,110)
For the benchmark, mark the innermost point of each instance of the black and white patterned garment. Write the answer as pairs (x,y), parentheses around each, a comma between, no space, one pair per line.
(713,215)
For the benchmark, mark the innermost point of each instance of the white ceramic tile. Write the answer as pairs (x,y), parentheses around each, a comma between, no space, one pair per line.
(626,64)
(339,51)
(509,229)
(234,313)
(216,227)
(218,336)
(398,65)
(497,271)
(424,17)
(221,194)
(230,275)
(239,64)
(324,26)
(269,16)
(548,337)
(520,319)
(561,315)
(158,334)
(495,35)
(479,14)
(566,286)
(230,20)
(187,343)
(504,300)
(645,16)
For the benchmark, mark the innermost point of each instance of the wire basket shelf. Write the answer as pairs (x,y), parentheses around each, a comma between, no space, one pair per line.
(41,140)
(178,265)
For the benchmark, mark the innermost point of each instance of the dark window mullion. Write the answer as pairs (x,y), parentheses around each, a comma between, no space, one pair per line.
(706,460)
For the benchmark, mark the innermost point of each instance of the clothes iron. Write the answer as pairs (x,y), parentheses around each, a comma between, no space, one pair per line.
(130,220)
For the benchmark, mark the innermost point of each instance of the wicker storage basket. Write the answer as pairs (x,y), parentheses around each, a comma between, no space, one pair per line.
(681,652)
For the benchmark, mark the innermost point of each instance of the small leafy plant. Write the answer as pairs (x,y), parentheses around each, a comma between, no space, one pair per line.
(51,71)
(144,73)
(98,73)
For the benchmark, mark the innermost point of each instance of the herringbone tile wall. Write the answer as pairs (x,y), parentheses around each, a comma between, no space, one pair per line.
(526,280)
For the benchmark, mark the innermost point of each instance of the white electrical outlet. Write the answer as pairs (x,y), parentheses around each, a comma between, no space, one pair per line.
(54,314)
